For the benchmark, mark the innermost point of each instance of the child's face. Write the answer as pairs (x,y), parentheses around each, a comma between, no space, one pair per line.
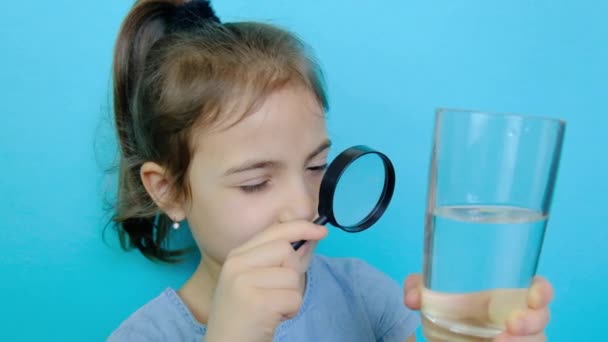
(266,169)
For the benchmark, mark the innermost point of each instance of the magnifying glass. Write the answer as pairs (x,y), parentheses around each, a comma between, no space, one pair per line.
(355,191)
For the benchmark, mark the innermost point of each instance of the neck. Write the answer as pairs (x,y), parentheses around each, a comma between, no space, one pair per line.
(197,292)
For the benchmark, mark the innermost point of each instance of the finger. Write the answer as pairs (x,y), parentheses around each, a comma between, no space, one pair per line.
(462,306)
(291,232)
(270,254)
(271,278)
(541,293)
(284,302)
(504,337)
(505,303)
(437,333)
(412,287)
(412,281)
(413,299)
(527,322)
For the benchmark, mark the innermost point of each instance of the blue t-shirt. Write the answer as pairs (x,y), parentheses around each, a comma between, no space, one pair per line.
(344,300)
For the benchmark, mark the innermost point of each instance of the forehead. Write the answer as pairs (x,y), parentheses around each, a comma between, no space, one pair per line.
(290,123)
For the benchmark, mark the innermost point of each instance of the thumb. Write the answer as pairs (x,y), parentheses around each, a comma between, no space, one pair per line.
(412,291)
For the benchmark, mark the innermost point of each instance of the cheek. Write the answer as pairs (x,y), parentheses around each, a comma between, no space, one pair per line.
(315,187)
(246,215)
(227,220)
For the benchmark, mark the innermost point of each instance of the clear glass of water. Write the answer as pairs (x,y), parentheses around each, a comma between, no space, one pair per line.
(491,182)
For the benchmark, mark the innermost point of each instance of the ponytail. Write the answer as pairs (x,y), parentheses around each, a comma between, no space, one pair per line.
(139,221)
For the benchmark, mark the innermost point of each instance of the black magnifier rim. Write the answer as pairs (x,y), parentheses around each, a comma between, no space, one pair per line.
(332,177)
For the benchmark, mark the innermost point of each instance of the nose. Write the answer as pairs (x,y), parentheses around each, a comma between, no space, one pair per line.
(299,201)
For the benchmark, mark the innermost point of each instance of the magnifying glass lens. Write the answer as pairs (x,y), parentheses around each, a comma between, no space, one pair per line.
(358,191)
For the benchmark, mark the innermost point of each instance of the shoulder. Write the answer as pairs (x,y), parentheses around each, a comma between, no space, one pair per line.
(349,269)
(339,266)
(357,280)
(163,318)
(380,296)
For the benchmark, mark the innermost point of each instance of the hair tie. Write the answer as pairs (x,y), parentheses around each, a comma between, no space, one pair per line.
(192,13)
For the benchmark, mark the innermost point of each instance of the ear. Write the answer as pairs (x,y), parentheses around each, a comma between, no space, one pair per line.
(158,185)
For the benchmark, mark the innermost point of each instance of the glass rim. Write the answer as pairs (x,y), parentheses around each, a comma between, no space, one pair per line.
(441,110)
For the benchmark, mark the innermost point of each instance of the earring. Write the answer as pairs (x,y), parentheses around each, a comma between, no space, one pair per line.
(175,225)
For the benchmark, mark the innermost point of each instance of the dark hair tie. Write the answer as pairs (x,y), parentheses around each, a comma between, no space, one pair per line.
(191,14)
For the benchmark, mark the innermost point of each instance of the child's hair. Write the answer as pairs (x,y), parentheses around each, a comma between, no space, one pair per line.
(177,68)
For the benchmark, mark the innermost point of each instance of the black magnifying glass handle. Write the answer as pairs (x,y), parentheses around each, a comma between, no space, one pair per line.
(321,220)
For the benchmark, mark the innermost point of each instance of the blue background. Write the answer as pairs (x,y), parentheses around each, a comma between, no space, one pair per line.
(389,64)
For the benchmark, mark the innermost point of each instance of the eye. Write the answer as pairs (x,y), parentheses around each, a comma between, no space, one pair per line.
(318,168)
(254,187)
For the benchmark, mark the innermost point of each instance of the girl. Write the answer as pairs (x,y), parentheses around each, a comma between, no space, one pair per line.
(222,125)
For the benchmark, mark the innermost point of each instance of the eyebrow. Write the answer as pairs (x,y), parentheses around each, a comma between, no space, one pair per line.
(261,164)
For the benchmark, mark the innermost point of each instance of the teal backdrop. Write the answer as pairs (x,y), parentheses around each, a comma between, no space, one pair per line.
(389,64)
